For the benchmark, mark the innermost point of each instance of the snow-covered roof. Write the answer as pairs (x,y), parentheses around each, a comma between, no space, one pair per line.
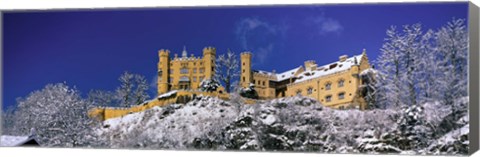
(369,70)
(10,141)
(168,94)
(287,74)
(281,76)
(328,69)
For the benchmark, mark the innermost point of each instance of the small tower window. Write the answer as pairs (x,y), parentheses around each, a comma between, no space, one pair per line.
(195,70)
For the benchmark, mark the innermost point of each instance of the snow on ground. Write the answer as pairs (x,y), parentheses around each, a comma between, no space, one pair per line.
(292,123)
(10,141)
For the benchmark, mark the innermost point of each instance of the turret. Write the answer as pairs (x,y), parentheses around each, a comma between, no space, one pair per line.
(209,60)
(246,69)
(163,66)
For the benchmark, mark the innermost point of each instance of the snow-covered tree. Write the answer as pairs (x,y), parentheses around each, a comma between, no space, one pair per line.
(226,69)
(369,87)
(452,46)
(209,85)
(7,121)
(133,89)
(389,63)
(102,98)
(417,66)
(58,115)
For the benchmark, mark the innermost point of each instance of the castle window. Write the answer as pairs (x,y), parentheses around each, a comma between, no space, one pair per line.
(328,98)
(194,79)
(195,70)
(341,96)
(328,86)
(170,80)
(263,83)
(341,107)
(201,78)
(309,90)
(171,71)
(340,83)
(202,70)
(299,92)
(243,79)
(184,71)
(243,63)
(243,70)
(184,79)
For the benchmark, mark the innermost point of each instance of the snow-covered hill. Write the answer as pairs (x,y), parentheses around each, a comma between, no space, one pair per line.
(291,124)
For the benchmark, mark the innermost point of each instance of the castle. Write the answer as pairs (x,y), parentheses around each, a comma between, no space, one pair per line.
(334,85)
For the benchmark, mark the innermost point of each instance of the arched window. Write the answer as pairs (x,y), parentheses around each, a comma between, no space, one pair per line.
(328,86)
(341,83)
(309,90)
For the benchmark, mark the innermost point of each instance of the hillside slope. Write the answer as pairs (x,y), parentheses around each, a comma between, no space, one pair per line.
(291,124)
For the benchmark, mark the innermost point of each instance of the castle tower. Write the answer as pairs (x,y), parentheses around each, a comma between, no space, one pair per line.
(163,66)
(246,69)
(209,60)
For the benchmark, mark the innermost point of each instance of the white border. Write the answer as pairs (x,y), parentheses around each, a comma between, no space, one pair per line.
(63,4)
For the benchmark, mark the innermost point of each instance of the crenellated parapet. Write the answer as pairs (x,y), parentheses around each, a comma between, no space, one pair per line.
(209,51)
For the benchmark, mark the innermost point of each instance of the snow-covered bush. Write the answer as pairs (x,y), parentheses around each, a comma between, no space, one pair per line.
(249,92)
(209,85)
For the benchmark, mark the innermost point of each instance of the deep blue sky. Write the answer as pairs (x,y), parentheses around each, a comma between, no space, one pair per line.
(89,49)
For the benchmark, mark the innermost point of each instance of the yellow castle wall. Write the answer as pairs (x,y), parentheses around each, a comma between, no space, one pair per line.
(114,112)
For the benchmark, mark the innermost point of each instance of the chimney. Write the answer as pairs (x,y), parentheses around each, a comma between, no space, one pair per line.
(343,58)
(310,65)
